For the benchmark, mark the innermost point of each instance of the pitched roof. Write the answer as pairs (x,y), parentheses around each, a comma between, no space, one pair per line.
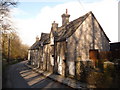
(66,31)
(34,46)
(43,40)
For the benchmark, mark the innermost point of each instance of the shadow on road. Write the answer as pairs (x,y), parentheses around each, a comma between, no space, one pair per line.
(20,76)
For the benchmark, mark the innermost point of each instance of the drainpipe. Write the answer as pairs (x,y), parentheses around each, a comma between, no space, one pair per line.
(55,58)
(46,60)
(42,55)
(66,57)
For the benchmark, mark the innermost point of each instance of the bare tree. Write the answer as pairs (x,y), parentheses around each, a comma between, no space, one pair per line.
(10,45)
(5,19)
(6,25)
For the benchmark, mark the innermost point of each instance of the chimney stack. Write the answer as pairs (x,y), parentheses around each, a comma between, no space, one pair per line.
(54,26)
(37,38)
(65,18)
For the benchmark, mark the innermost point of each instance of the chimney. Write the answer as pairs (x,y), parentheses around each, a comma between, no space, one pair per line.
(37,38)
(65,18)
(54,26)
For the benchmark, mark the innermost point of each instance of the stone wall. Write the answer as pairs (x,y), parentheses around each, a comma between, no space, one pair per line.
(51,57)
(88,36)
(45,57)
(60,52)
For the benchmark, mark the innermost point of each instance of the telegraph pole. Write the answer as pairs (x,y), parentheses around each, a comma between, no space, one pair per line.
(8,60)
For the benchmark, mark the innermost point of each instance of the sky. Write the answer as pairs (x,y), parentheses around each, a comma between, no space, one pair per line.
(32,17)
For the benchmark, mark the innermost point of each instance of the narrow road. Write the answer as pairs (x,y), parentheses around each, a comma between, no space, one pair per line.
(20,76)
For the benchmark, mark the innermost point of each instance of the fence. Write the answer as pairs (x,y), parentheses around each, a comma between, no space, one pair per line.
(99,57)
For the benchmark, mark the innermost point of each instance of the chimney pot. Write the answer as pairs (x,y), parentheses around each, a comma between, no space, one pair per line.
(65,18)
(37,38)
(66,11)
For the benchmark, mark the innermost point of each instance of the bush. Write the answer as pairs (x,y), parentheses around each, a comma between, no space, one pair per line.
(109,68)
(102,79)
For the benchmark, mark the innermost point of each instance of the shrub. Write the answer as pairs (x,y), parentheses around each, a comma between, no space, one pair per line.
(109,68)
(102,79)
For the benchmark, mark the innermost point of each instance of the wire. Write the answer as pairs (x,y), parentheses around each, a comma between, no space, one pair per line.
(81,5)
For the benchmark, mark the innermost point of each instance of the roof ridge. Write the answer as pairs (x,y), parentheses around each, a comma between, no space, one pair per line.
(45,33)
(90,12)
(76,23)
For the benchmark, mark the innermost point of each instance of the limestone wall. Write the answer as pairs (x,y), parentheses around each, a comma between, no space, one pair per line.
(88,36)
(45,57)
(61,49)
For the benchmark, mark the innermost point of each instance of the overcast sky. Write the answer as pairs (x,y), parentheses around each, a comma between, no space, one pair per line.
(35,16)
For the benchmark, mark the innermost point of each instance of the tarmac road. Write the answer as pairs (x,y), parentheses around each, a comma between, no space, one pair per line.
(20,76)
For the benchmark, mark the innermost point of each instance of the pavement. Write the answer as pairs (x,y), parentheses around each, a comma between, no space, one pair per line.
(64,80)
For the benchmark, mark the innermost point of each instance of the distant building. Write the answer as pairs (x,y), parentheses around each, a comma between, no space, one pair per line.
(33,53)
(115,46)
(115,50)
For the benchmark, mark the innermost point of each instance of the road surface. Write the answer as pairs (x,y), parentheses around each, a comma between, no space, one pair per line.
(20,76)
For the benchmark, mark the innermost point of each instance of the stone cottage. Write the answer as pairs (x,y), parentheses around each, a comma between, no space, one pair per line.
(42,53)
(33,53)
(66,48)
(74,40)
